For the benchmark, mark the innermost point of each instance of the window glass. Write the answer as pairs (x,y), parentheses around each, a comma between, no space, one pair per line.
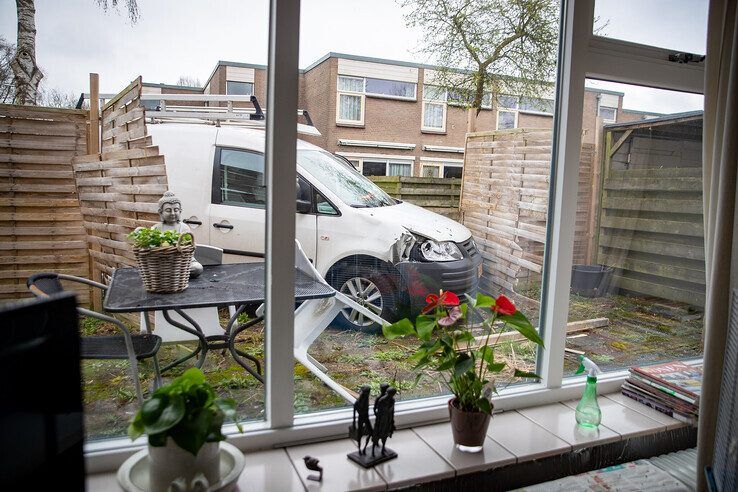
(349,107)
(151,104)
(678,25)
(465,98)
(537,104)
(429,171)
(350,186)
(323,206)
(433,115)
(510,102)
(239,88)
(433,93)
(350,84)
(390,88)
(400,169)
(638,279)
(505,120)
(608,114)
(452,171)
(370,168)
(242,178)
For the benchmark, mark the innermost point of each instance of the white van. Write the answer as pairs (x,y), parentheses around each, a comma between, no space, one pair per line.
(382,252)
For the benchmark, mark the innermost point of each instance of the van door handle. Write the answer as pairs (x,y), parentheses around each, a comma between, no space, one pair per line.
(192,222)
(222,226)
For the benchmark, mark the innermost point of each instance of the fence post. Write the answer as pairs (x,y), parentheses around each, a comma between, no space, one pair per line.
(93,147)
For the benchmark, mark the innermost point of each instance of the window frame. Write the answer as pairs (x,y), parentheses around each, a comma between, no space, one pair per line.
(440,164)
(216,197)
(510,111)
(361,95)
(614,119)
(385,159)
(582,55)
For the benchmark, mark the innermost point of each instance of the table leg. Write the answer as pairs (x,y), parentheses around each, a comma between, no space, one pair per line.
(157,371)
(239,355)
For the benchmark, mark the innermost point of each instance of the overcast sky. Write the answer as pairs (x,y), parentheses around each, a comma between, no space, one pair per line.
(188,37)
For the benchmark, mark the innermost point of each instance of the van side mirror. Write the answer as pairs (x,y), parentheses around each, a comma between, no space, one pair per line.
(304,206)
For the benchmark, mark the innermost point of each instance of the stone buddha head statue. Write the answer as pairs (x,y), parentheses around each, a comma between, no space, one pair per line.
(170,210)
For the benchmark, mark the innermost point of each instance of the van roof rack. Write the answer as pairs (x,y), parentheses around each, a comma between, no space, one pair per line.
(254,117)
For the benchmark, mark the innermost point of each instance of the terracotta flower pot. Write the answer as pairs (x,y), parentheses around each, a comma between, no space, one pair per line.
(469,428)
(167,463)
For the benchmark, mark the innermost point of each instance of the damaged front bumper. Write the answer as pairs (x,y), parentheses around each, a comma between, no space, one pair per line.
(422,277)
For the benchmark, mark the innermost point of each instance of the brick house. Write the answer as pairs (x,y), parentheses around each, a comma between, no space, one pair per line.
(388,117)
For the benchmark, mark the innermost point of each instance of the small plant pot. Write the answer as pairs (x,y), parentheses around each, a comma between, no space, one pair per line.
(167,463)
(469,428)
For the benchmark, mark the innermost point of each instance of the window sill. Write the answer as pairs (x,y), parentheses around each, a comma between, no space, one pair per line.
(427,453)
(431,131)
(392,98)
(348,124)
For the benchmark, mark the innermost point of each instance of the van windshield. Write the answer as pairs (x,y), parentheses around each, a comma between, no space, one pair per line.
(343,180)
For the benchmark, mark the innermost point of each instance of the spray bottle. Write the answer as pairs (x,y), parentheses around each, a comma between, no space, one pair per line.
(588,412)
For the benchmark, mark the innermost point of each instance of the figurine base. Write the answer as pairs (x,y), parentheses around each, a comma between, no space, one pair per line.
(368,461)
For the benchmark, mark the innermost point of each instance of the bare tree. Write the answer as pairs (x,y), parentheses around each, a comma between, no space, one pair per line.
(488,46)
(26,73)
(189,81)
(55,98)
(7,88)
(131,6)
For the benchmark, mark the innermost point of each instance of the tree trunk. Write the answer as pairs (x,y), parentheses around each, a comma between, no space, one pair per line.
(26,73)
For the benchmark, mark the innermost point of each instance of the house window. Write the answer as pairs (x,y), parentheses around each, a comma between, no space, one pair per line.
(234,88)
(434,109)
(608,115)
(370,168)
(399,169)
(390,88)
(507,119)
(350,107)
(441,169)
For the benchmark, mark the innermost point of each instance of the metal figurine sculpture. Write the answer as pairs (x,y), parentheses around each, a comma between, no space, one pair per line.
(362,427)
(170,213)
(312,464)
(384,426)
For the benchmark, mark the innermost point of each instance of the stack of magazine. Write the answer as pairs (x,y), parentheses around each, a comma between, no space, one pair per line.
(672,388)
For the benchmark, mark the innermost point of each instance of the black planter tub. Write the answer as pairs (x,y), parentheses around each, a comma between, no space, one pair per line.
(590,280)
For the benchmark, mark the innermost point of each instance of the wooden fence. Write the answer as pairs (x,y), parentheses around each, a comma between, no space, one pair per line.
(440,195)
(119,187)
(40,222)
(651,227)
(504,203)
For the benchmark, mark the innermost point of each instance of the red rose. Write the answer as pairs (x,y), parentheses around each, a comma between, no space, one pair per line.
(504,306)
(443,299)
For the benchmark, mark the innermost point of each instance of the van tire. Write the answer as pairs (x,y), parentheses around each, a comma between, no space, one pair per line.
(348,279)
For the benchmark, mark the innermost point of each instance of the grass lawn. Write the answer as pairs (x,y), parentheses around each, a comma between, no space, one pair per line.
(640,331)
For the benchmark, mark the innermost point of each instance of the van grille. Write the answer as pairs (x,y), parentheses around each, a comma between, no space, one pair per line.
(470,247)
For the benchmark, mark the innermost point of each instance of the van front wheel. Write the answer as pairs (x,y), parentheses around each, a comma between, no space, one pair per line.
(369,288)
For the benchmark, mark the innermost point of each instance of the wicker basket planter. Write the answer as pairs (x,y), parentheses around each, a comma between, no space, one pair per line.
(165,269)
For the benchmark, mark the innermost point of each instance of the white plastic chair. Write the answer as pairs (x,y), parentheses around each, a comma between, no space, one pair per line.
(312,317)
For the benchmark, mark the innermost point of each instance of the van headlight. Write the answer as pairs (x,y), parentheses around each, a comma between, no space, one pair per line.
(440,251)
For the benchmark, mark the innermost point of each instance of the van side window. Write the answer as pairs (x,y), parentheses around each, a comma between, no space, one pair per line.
(239,178)
(323,206)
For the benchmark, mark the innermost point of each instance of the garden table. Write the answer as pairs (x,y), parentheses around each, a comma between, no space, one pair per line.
(238,284)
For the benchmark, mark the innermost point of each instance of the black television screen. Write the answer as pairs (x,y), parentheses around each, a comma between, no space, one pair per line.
(41,433)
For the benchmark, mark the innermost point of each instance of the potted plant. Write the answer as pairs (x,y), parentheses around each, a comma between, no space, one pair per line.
(163,258)
(465,363)
(183,422)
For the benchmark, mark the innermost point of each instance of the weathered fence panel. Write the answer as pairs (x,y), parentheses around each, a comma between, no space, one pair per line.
(651,225)
(40,222)
(504,203)
(440,195)
(119,187)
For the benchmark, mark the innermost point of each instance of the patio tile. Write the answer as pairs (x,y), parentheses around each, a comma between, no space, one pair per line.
(669,422)
(440,438)
(416,462)
(623,420)
(559,420)
(339,473)
(269,470)
(524,438)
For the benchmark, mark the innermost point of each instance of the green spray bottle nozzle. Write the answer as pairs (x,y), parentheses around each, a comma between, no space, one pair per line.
(586,364)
